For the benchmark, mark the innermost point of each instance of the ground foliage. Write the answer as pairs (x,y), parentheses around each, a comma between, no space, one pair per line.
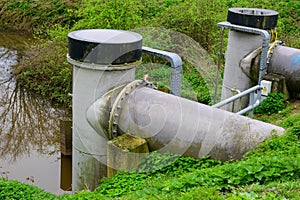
(271,171)
(16,190)
(274,103)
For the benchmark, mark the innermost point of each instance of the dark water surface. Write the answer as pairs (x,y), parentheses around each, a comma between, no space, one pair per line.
(29,126)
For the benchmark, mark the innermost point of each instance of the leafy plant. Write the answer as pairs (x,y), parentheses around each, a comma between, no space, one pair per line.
(272,104)
(170,163)
(17,190)
(113,14)
(153,168)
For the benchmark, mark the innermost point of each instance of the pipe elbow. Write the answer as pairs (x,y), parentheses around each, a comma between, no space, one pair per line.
(98,113)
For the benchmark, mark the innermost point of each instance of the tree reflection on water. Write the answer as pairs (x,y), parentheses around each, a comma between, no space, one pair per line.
(27,123)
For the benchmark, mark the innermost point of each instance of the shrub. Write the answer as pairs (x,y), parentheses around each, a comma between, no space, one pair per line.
(17,190)
(112,14)
(272,104)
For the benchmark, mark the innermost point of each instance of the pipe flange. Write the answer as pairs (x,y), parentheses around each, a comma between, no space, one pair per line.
(271,50)
(116,108)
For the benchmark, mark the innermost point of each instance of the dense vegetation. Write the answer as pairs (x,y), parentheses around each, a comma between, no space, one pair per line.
(271,171)
(48,73)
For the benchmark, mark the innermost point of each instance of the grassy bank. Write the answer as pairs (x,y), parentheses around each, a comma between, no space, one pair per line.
(46,71)
(271,171)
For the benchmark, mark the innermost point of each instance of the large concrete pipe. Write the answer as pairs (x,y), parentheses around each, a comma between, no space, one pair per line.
(177,125)
(246,34)
(286,61)
(102,59)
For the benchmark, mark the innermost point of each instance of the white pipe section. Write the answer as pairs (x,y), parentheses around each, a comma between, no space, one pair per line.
(174,124)
(102,59)
(89,147)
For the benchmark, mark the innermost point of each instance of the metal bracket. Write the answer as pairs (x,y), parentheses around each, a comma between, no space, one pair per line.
(176,65)
(265,44)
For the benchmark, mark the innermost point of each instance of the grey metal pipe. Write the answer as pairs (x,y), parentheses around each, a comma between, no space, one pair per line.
(174,124)
(182,126)
(176,65)
(237,96)
(286,61)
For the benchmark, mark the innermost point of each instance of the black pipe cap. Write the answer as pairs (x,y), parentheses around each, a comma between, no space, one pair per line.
(105,46)
(253,17)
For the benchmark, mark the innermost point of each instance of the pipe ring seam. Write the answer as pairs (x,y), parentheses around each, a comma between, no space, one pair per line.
(108,67)
(116,108)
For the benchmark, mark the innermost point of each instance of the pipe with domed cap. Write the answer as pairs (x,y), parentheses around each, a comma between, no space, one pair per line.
(248,31)
(102,59)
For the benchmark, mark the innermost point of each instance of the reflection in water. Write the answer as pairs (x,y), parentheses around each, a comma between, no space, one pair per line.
(29,132)
(66,173)
(27,122)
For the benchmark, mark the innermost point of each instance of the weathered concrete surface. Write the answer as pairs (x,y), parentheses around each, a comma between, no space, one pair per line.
(125,153)
(178,125)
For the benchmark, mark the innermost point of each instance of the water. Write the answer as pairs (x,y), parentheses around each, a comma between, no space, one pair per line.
(29,126)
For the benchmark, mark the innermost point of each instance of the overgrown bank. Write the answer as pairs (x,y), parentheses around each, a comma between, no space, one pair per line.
(46,71)
(271,171)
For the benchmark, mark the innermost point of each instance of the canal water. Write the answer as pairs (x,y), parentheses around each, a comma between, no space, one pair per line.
(29,127)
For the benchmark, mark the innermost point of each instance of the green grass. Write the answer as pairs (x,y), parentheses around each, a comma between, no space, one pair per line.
(273,190)
(15,190)
(271,171)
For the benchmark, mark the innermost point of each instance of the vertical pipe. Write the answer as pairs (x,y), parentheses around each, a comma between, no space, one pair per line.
(239,45)
(252,33)
(89,147)
(219,64)
(101,59)
(251,102)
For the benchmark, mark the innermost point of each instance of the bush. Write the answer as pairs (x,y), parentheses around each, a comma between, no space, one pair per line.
(17,190)
(195,18)
(272,104)
(113,14)
(36,15)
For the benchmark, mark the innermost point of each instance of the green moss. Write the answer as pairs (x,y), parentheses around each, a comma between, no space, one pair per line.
(128,142)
